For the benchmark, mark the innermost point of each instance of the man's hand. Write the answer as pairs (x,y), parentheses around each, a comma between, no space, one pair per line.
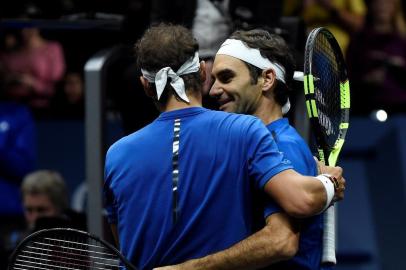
(337,178)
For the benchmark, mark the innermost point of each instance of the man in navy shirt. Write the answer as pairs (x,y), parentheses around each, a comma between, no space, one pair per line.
(182,187)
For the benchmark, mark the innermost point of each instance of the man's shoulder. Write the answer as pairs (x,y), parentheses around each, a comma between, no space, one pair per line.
(128,140)
(234,116)
(237,123)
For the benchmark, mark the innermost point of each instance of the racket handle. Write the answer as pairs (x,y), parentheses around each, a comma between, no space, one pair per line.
(329,237)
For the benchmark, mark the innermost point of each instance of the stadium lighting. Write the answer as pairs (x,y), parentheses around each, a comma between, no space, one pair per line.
(379,115)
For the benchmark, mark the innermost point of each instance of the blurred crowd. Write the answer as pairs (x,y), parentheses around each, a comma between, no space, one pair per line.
(44,70)
(42,77)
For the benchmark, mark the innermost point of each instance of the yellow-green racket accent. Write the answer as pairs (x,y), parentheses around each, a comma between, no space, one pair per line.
(327,95)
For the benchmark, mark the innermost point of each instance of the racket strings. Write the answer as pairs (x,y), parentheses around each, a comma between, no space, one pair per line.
(70,254)
(326,70)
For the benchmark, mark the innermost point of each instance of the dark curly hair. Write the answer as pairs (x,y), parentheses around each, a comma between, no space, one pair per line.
(167,45)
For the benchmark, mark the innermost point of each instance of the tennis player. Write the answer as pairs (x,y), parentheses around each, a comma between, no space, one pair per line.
(253,71)
(182,187)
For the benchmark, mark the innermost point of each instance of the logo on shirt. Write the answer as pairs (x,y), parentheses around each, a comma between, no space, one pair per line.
(286,161)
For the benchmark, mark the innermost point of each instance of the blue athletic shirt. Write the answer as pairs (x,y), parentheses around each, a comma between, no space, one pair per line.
(294,148)
(222,158)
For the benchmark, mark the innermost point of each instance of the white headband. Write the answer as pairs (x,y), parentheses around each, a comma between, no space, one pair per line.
(236,48)
(161,77)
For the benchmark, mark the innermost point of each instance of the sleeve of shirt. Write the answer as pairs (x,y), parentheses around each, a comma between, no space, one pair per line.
(292,152)
(271,207)
(301,161)
(265,159)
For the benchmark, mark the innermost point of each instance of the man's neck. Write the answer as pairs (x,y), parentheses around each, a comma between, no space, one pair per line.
(177,104)
(268,111)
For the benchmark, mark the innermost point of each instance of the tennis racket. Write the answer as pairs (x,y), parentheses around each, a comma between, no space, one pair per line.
(66,249)
(327,95)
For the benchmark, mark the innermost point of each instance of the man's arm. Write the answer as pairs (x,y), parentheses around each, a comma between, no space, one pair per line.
(277,241)
(303,196)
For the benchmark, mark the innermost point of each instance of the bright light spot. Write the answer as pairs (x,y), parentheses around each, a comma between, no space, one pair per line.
(380,115)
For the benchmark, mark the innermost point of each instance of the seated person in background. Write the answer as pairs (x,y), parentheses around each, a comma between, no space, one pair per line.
(377,60)
(17,158)
(34,68)
(46,205)
(45,197)
(69,98)
(341,17)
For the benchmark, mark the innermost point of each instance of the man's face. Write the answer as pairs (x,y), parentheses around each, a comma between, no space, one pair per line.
(38,205)
(233,87)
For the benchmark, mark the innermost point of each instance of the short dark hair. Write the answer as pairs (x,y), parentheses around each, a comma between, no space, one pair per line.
(167,45)
(275,48)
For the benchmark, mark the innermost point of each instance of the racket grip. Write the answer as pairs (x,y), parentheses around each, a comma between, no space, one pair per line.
(329,237)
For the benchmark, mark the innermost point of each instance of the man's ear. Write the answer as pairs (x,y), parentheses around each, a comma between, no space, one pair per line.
(203,72)
(269,77)
(148,89)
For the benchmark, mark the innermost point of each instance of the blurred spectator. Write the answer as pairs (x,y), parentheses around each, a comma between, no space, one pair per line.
(211,26)
(212,21)
(9,40)
(377,60)
(341,17)
(33,69)
(256,13)
(69,98)
(45,196)
(136,20)
(46,205)
(17,158)
(17,151)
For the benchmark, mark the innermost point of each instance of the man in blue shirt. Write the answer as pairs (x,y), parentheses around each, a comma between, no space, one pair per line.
(182,187)
(253,71)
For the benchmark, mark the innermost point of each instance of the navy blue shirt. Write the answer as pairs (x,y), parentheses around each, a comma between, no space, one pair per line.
(222,157)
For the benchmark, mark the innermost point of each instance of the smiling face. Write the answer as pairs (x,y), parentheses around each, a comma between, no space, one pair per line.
(233,87)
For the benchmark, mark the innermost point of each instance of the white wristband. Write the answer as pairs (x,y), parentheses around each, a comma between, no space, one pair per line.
(329,186)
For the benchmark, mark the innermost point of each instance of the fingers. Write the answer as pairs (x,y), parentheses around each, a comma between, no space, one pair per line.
(320,165)
(339,193)
(337,173)
(341,189)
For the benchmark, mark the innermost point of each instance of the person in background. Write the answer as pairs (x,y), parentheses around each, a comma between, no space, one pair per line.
(376,60)
(342,17)
(46,205)
(33,69)
(44,194)
(17,151)
(68,102)
(17,158)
